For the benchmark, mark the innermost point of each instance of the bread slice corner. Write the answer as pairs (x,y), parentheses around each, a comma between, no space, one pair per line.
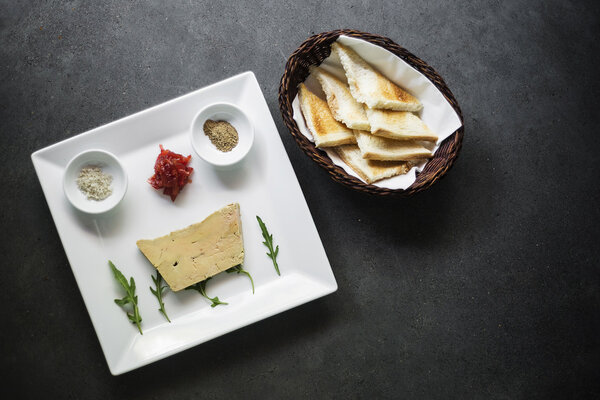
(326,131)
(370,87)
(378,148)
(399,125)
(341,102)
(370,171)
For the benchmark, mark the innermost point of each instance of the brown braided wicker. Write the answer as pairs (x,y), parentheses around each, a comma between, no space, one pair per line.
(312,52)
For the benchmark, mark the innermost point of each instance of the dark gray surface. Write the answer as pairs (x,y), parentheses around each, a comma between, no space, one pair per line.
(485,286)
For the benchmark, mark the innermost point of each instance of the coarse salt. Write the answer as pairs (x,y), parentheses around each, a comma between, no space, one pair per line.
(94,183)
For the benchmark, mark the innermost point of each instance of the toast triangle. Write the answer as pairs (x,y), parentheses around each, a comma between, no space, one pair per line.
(399,125)
(378,148)
(369,170)
(343,106)
(370,87)
(326,131)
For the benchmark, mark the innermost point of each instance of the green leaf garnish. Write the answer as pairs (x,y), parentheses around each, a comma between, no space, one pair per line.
(201,288)
(269,243)
(158,293)
(240,270)
(130,297)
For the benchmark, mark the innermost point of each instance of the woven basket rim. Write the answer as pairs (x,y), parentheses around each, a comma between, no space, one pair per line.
(311,52)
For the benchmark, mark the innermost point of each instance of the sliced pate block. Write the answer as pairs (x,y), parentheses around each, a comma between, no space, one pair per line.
(201,250)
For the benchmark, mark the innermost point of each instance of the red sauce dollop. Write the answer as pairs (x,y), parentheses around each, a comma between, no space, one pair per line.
(171,172)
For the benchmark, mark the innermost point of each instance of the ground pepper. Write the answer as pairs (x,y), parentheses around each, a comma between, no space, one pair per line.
(221,134)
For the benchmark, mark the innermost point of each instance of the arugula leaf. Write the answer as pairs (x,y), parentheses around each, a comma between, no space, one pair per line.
(240,270)
(158,292)
(201,288)
(269,243)
(130,297)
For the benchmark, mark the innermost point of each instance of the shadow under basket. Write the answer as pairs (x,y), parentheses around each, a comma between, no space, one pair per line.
(312,52)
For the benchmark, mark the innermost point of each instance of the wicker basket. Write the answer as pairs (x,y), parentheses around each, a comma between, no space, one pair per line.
(312,52)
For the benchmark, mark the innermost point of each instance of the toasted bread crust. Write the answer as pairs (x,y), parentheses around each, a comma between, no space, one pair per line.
(399,125)
(341,102)
(326,131)
(370,86)
(370,171)
(393,92)
(391,135)
(378,148)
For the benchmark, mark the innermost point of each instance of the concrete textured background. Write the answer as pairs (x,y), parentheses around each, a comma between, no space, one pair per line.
(485,286)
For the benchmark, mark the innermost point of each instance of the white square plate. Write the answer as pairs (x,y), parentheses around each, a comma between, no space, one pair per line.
(264,185)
